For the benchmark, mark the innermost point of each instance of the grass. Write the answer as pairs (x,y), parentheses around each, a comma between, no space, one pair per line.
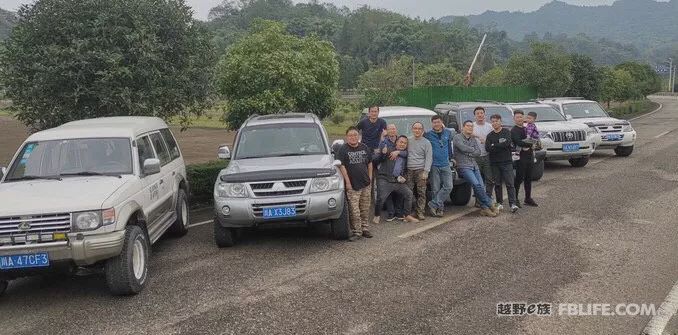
(5,112)
(631,109)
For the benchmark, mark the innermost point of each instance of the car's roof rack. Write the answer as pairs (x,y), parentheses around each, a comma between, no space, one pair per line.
(564,98)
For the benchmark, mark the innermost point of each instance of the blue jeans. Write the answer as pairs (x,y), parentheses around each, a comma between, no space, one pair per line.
(472,176)
(442,181)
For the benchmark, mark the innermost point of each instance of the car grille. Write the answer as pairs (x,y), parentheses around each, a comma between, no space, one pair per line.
(261,186)
(278,188)
(569,136)
(258,209)
(610,129)
(278,193)
(296,183)
(33,228)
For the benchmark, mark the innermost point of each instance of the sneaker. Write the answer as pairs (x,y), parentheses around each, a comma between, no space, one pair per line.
(499,205)
(411,218)
(519,205)
(487,212)
(367,234)
(376,220)
(477,204)
(440,213)
(530,202)
(390,219)
(402,218)
(421,217)
(354,238)
(494,209)
(432,208)
(514,208)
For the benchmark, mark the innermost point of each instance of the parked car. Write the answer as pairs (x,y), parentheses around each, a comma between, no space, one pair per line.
(92,194)
(562,139)
(282,171)
(455,114)
(611,133)
(404,117)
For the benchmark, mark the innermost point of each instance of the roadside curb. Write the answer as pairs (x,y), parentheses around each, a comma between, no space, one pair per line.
(650,113)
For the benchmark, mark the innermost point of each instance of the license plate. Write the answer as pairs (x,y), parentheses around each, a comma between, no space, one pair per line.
(570,147)
(38,260)
(613,137)
(279,212)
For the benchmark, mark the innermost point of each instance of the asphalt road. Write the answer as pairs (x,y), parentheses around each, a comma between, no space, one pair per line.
(604,234)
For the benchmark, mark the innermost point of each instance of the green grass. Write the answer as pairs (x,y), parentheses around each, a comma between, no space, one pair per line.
(5,112)
(631,109)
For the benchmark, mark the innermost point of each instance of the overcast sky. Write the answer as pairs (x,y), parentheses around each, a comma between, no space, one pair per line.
(423,8)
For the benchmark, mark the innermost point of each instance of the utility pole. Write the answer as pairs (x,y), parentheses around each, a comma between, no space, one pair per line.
(673,79)
(413,71)
(670,75)
(468,80)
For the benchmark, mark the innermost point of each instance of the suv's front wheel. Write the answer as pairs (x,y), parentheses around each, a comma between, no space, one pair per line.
(579,162)
(224,237)
(341,229)
(3,286)
(126,274)
(623,151)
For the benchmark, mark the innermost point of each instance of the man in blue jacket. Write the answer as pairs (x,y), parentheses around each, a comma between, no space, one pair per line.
(441,177)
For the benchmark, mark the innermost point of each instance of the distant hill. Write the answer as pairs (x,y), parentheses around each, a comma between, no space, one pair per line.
(7,21)
(640,22)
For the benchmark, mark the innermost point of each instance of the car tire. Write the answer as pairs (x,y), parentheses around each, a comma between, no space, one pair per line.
(3,286)
(180,226)
(127,273)
(623,151)
(579,162)
(340,228)
(538,171)
(461,194)
(224,237)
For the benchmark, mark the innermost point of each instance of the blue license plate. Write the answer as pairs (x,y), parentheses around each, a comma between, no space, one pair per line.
(570,147)
(613,137)
(38,260)
(279,212)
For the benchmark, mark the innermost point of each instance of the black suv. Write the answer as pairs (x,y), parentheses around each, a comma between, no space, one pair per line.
(455,114)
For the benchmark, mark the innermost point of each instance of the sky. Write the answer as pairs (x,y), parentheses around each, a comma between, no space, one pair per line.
(421,8)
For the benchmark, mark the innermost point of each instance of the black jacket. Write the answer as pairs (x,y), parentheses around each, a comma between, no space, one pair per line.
(499,146)
(518,134)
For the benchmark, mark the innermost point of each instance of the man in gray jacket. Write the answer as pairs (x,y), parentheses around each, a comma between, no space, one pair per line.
(419,160)
(467,149)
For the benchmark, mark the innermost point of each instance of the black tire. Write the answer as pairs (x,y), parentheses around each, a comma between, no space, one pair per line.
(538,170)
(341,227)
(579,162)
(180,226)
(461,194)
(224,237)
(3,286)
(120,272)
(623,151)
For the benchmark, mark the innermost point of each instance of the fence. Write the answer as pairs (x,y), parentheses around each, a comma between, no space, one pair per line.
(428,97)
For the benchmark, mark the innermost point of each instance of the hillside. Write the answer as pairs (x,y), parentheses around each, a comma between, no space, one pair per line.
(7,21)
(644,23)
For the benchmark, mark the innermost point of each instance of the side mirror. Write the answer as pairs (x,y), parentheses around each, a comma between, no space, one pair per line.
(337,163)
(568,117)
(3,171)
(336,145)
(151,166)
(224,152)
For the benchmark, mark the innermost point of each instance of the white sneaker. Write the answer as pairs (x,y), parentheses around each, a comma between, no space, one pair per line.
(500,206)
(514,208)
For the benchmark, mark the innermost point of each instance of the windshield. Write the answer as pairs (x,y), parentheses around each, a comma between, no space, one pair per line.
(404,123)
(581,110)
(506,114)
(280,140)
(57,158)
(545,114)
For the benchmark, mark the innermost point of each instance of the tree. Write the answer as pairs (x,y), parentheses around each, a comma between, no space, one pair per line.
(76,59)
(272,71)
(440,74)
(645,78)
(545,68)
(618,85)
(494,77)
(586,78)
(349,69)
(381,85)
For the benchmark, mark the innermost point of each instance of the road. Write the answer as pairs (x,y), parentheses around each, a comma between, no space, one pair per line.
(603,234)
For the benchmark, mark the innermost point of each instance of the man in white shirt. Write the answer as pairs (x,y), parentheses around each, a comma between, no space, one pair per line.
(480,130)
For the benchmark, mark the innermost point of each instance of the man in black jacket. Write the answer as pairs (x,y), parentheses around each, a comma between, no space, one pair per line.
(391,178)
(499,144)
(525,164)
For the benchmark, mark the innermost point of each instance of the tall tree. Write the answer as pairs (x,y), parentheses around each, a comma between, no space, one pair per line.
(645,78)
(544,68)
(76,59)
(586,78)
(273,71)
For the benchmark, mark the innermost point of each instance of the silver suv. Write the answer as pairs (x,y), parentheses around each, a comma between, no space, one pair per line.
(92,194)
(282,171)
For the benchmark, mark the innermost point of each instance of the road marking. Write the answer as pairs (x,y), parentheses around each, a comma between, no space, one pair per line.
(648,114)
(664,314)
(438,223)
(200,223)
(662,134)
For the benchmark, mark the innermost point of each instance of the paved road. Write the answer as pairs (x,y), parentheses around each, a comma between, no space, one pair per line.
(605,233)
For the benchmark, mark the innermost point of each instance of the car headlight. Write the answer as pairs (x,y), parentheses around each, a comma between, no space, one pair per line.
(591,130)
(91,220)
(627,128)
(325,184)
(545,135)
(235,190)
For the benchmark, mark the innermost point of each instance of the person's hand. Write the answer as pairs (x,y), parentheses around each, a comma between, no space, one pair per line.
(424,175)
(384,150)
(482,141)
(394,155)
(348,185)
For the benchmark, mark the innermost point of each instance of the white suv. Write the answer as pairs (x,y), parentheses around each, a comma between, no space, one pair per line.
(611,133)
(562,139)
(92,193)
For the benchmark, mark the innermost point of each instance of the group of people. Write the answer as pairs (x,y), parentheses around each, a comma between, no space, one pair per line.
(375,156)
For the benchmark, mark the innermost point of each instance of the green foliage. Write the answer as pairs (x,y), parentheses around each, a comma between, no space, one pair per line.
(272,71)
(380,86)
(545,68)
(633,108)
(7,21)
(350,70)
(618,85)
(75,59)
(439,74)
(201,179)
(586,78)
(494,78)
(645,79)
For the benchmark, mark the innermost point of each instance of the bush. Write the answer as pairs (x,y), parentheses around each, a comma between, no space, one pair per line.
(338,117)
(201,178)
